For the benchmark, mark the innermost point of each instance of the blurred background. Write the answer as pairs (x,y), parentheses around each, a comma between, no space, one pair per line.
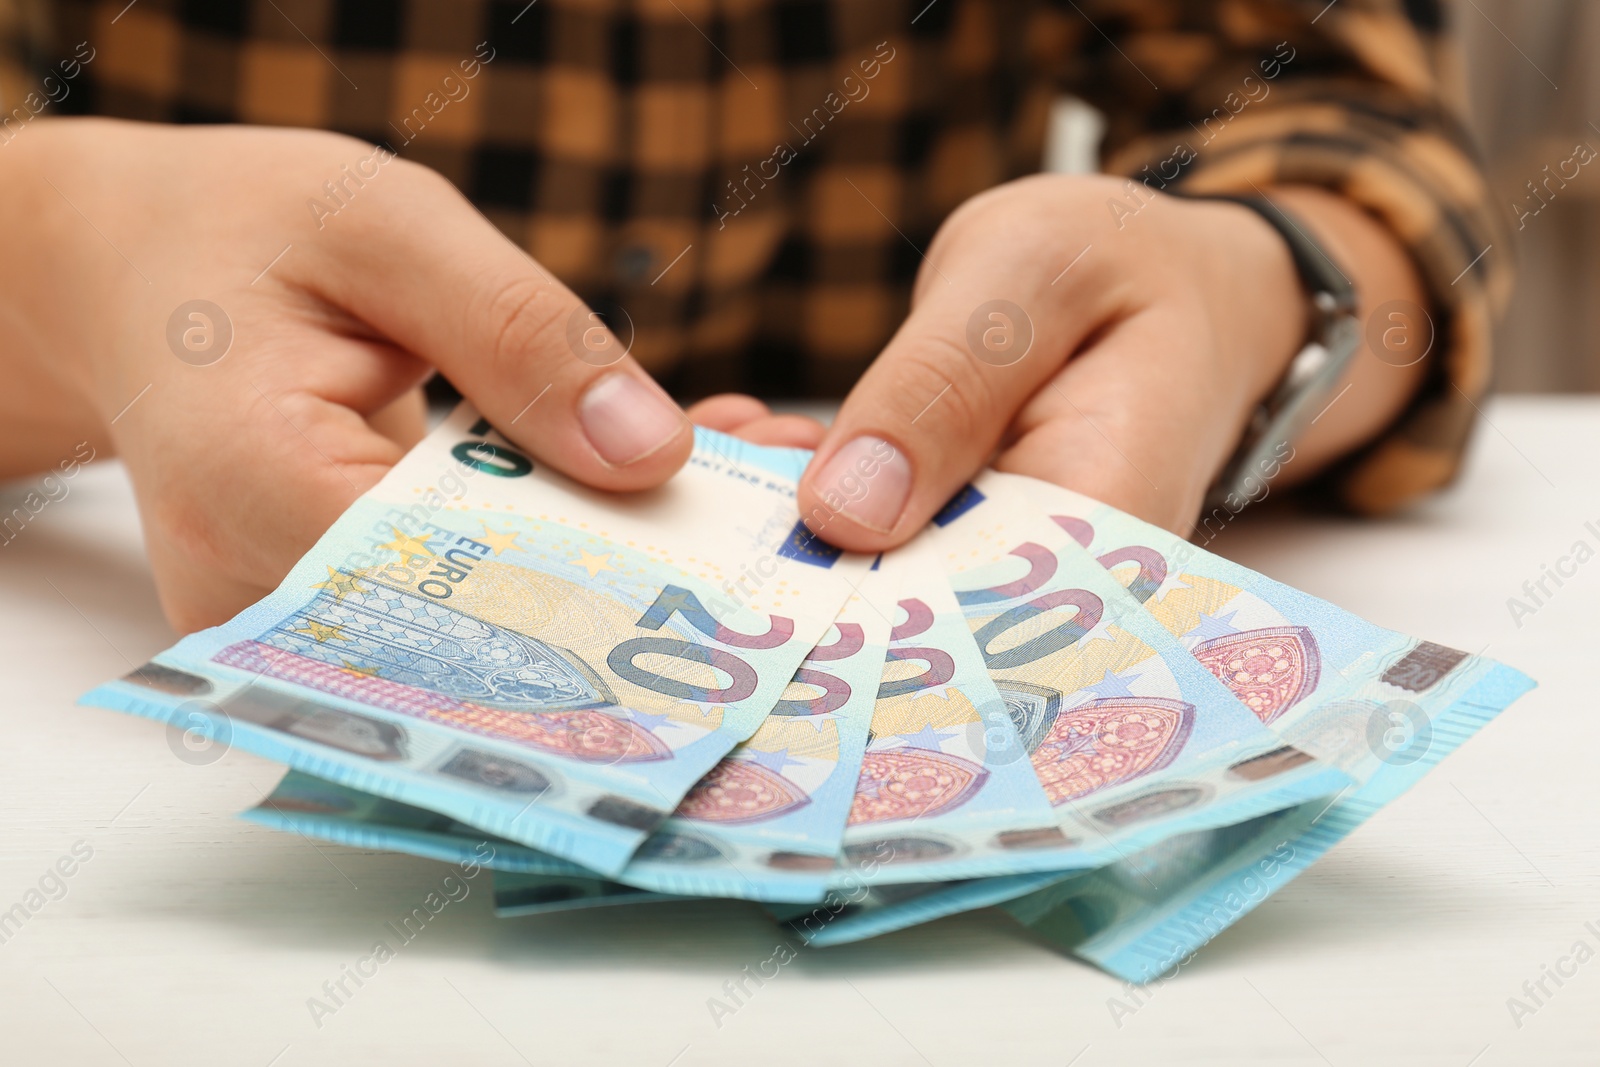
(1529,83)
(1532,92)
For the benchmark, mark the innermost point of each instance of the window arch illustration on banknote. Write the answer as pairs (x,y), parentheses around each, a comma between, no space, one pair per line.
(912,783)
(1270,669)
(1097,744)
(406,654)
(738,791)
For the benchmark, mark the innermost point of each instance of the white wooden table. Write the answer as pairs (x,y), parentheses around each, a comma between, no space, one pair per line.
(191,937)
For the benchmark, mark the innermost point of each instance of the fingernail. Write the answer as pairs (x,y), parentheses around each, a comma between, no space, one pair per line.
(626,419)
(869,480)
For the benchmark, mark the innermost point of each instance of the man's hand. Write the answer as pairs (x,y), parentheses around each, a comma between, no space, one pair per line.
(1119,355)
(243,452)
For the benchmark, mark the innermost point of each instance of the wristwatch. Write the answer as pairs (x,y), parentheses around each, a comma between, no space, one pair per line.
(1305,391)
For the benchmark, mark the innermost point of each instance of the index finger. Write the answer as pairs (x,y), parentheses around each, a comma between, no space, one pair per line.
(422,266)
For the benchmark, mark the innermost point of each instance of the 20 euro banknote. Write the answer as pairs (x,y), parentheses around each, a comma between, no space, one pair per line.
(944,790)
(764,824)
(767,822)
(518,894)
(1382,707)
(485,638)
(315,807)
(1145,917)
(1106,700)
(1132,739)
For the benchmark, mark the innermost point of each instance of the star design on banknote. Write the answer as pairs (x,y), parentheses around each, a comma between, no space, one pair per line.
(927,737)
(321,631)
(408,546)
(1211,626)
(340,583)
(648,721)
(498,541)
(358,670)
(772,761)
(1101,632)
(1110,685)
(1171,583)
(592,563)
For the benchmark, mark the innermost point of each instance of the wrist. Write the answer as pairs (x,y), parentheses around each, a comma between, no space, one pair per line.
(50,302)
(1373,391)
(1264,315)
(87,280)
(1306,388)
(1263,310)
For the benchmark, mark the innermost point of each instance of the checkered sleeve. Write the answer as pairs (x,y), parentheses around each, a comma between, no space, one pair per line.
(1344,95)
(18,27)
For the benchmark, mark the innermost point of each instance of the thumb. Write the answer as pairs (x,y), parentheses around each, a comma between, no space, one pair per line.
(422,266)
(934,406)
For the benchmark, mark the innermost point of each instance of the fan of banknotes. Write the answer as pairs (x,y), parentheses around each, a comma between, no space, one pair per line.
(1040,702)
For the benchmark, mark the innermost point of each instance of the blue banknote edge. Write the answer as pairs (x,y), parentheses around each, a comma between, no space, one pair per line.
(765,886)
(1316,784)
(449,848)
(452,846)
(507,890)
(787,463)
(1314,780)
(1169,935)
(458,847)
(605,849)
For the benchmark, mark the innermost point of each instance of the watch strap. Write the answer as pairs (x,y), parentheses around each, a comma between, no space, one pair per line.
(1305,390)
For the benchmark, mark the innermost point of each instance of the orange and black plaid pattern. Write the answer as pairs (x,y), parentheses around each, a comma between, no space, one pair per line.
(750,181)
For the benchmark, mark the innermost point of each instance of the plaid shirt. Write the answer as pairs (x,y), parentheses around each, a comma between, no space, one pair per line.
(750,180)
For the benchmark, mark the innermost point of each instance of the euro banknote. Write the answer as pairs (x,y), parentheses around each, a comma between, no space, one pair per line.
(1380,706)
(1275,647)
(315,807)
(520,894)
(482,637)
(764,824)
(1144,918)
(943,733)
(945,790)
(1039,702)
(767,822)
(1104,697)
(1132,739)
(1090,696)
